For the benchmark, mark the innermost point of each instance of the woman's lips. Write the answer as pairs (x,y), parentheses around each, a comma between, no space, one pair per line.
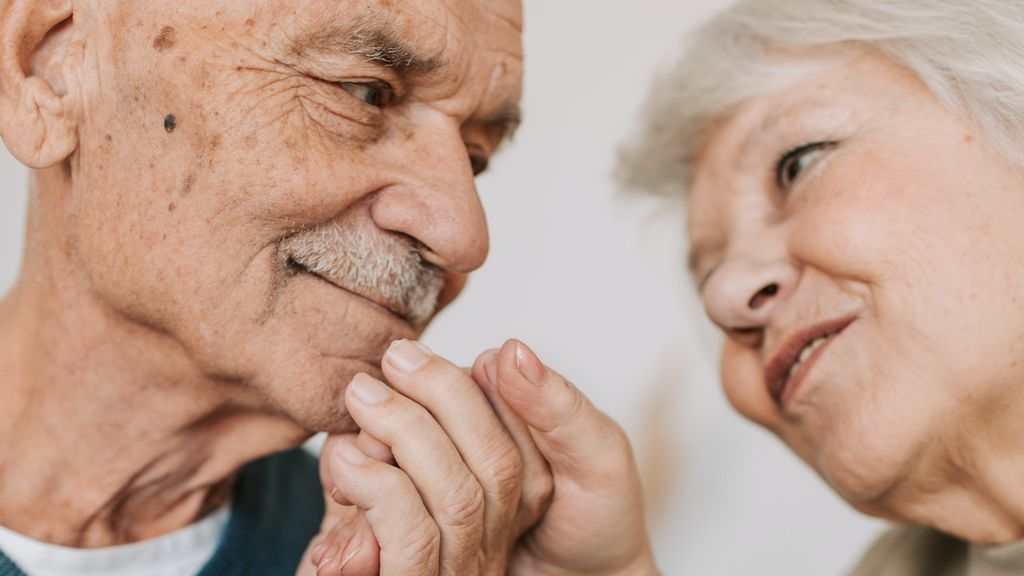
(797,356)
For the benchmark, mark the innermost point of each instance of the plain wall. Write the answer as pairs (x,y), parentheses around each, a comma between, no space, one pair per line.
(595,282)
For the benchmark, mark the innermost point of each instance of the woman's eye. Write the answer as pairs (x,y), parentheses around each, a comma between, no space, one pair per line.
(368,93)
(794,162)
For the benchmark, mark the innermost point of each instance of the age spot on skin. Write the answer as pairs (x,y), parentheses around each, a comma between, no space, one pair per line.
(172,207)
(186,187)
(170,123)
(166,39)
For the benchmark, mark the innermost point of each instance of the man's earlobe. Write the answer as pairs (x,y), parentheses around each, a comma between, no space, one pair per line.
(38,122)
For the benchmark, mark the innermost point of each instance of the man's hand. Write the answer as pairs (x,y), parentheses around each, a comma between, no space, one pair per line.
(468,482)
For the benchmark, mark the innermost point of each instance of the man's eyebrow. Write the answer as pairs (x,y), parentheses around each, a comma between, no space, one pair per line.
(373,40)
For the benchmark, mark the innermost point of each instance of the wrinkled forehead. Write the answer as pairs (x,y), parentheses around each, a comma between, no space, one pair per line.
(440,29)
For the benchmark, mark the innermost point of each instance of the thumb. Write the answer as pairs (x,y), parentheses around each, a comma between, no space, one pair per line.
(581,443)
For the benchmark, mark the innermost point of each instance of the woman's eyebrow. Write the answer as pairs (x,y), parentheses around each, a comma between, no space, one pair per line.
(768,125)
(374,39)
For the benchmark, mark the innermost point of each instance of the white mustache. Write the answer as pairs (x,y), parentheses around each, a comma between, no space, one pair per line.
(382,267)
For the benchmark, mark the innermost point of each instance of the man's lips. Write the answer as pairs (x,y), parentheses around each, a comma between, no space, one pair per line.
(793,359)
(378,302)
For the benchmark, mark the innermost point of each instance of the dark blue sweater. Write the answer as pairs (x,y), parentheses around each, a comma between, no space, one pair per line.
(277,508)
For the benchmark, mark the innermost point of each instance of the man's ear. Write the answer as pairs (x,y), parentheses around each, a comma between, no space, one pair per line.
(37,119)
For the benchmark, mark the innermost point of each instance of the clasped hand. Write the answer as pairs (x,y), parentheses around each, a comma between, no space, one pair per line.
(504,469)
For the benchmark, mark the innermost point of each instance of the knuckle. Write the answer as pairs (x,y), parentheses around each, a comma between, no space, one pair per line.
(422,547)
(503,478)
(571,407)
(463,507)
(537,496)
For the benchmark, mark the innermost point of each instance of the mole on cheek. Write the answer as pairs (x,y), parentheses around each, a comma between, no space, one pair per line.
(170,123)
(165,40)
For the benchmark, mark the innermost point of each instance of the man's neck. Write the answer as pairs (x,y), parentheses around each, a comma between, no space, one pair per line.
(108,433)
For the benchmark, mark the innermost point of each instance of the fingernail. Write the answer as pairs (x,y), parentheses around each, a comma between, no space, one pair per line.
(353,548)
(407,356)
(317,554)
(491,369)
(369,389)
(328,557)
(350,453)
(529,365)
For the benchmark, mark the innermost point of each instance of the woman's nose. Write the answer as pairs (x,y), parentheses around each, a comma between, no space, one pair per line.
(741,295)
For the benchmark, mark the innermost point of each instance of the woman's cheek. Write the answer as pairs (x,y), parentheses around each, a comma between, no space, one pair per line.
(744,385)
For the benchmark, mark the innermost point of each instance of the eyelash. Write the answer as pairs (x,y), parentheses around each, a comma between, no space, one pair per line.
(795,154)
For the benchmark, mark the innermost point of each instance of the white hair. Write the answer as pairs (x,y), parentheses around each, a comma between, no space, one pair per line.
(386,268)
(969,53)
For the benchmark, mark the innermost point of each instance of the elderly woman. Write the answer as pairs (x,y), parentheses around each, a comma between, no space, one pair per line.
(854,171)
(855,180)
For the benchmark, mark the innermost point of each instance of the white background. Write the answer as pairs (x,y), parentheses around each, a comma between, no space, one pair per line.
(594,281)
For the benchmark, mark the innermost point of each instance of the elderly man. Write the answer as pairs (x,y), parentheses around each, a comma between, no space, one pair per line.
(236,207)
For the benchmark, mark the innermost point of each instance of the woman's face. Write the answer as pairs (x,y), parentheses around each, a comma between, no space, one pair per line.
(863,250)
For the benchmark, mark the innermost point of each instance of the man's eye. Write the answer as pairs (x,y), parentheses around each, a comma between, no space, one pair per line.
(373,94)
(794,162)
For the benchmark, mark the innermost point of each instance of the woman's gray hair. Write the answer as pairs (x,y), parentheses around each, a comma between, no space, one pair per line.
(969,53)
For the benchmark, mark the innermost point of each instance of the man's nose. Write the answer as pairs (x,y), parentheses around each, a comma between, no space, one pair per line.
(435,199)
(742,293)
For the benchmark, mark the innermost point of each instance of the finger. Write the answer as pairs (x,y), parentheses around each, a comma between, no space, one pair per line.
(334,505)
(409,539)
(340,548)
(579,442)
(425,453)
(374,448)
(368,445)
(455,400)
(354,552)
(537,484)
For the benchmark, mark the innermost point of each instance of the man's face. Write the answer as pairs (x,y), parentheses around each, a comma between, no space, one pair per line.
(284,188)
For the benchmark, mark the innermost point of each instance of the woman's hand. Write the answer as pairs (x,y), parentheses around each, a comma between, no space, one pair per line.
(468,483)
(595,522)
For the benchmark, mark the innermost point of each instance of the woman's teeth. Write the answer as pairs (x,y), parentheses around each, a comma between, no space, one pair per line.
(805,354)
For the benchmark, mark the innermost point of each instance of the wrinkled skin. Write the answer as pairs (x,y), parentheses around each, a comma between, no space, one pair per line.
(906,223)
(174,148)
(267,142)
(165,334)
(460,505)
